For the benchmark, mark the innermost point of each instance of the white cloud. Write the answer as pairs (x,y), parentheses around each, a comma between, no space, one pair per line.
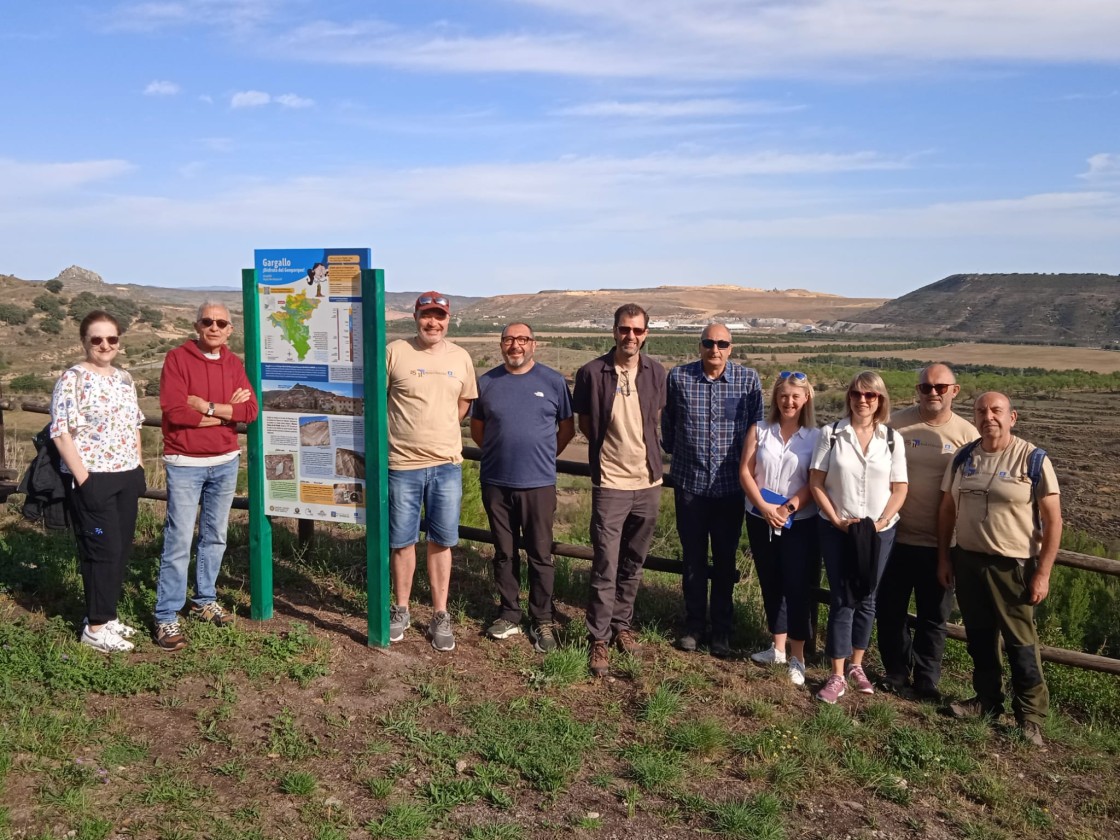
(161,88)
(291,100)
(249,99)
(1102,167)
(23,178)
(670,109)
(157,15)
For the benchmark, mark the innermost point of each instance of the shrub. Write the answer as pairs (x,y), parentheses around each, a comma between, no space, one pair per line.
(29,383)
(12,314)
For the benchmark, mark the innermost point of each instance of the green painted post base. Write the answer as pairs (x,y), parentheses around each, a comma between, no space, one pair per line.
(377,457)
(260,528)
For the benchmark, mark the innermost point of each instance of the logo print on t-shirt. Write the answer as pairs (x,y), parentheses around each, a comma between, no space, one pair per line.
(538,393)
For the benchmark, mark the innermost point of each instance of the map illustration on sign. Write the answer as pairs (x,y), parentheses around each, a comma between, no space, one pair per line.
(312,400)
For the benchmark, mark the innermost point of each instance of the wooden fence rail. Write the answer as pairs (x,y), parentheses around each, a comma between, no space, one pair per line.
(1072,559)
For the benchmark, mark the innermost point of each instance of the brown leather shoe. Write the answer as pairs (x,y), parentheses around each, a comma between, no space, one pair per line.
(627,642)
(1032,734)
(599,659)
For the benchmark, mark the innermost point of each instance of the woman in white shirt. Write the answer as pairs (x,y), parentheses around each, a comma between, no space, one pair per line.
(781,526)
(858,473)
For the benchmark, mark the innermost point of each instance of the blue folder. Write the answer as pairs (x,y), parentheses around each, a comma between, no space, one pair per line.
(774,499)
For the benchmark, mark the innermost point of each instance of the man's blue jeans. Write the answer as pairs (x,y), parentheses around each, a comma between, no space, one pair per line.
(186,488)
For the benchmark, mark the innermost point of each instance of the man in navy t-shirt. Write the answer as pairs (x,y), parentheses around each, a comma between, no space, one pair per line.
(522,419)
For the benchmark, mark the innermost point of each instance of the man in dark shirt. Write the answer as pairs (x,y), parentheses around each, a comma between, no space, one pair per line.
(522,419)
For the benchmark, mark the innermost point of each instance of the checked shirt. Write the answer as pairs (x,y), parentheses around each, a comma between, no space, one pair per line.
(705,423)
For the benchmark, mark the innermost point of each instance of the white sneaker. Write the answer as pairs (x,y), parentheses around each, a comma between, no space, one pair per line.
(117,626)
(796,671)
(105,640)
(770,656)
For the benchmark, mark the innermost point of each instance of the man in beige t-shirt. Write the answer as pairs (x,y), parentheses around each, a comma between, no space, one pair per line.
(1000,564)
(619,398)
(930,434)
(431,384)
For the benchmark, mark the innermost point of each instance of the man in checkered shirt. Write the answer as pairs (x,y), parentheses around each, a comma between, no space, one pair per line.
(711,404)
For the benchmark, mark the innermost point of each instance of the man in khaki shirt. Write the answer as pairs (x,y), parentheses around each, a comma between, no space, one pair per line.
(1000,563)
(930,434)
(430,384)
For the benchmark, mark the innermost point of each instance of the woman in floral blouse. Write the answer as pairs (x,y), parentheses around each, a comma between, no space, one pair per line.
(95,424)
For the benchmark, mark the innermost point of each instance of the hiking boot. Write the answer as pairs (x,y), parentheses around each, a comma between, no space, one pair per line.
(895,684)
(440,632)
(170,636)
(770,656)
(796,671)
(502,629)
(1032,733)
(212,613)
(398,622)
(720,646)
(926,694)
(833,690)
(117,626)
(105,640)
(689,641)
(627,642)
(599,659)
(543,636)
(858,677)
(972,707)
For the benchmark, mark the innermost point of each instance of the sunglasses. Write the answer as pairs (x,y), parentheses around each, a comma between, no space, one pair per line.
(929,387)
(709,343)
(521,340)
(429,300)
(870,396)
(793,374)
(111,340)
(209,322)
(635,330)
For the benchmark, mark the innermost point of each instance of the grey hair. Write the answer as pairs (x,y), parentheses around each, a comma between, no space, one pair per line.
(207,304)
(522,323)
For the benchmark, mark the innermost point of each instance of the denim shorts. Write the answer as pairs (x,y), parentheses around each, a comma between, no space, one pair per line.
(439,490)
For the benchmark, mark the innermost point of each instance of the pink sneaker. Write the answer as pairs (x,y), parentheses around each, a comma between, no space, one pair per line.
(859,679)
(833,690)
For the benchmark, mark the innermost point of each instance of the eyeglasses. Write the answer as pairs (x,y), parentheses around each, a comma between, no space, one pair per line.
(111,340)
(792,374)
(521,340)
(930,387)
(429,300)
(870,396)
(709,343)
(624,383)
(209,322)
(635,330)
(976,494)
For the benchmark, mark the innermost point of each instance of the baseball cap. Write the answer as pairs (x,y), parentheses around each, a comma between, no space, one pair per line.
(433,300)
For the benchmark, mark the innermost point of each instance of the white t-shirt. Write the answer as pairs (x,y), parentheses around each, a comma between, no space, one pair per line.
(782,467)
(859,485)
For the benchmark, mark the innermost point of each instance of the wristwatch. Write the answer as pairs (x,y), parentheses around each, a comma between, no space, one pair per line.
(210,410)
(790,507)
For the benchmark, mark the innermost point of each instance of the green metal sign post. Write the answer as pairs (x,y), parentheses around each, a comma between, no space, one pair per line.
(377,457)
(260,528)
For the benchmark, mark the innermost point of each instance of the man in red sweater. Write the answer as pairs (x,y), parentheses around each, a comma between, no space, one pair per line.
(204,393)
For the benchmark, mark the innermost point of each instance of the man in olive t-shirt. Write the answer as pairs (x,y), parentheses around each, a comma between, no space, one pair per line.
(1000,563)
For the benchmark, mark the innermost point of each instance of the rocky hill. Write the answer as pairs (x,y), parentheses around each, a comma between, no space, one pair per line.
(1078,308)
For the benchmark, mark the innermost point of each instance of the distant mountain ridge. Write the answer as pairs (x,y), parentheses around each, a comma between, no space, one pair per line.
(1079,308)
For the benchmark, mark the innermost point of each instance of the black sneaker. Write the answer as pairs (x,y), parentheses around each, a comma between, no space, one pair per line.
(543,636)
(502,629)
(720,646)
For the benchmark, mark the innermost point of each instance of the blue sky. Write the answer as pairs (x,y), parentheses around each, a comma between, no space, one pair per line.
(860,147)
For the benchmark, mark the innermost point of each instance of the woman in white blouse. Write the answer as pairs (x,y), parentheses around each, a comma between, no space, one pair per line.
(774,473)
(95,425)
(858,475)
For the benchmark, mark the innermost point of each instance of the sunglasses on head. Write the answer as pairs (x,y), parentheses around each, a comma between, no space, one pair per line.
(429,300)
(930,387)
(635,330)
(792,374)
(209,322)
(870,396)
(709,343)
(111,340)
